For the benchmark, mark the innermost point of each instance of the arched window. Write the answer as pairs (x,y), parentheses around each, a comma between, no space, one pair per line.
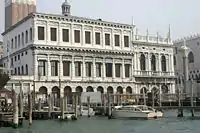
(191,57)
(22,70)
(153,63)
(163,63)
(174,60)
(26,69)
(142,62)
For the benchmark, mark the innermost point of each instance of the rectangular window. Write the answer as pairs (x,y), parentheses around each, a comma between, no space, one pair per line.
(126,41)
(41,68)
(19,40)
(77,36)
(31,34)
(88,67)
(127,70)
(109,69)
(65,35)
(53,34)
(116,40)
(98,38)
(54,68)
(77,69)
(66,68)
(107,39)
(26,36)
(87,37)
(98,69)
(40,33)
(118,70)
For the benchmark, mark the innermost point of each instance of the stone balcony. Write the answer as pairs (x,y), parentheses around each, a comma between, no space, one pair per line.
(151,39)
(153,74)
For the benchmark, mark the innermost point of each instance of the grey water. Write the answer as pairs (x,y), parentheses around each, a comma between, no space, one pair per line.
(169,124)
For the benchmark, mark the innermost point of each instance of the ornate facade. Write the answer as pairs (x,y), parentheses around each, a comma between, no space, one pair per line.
(65,53)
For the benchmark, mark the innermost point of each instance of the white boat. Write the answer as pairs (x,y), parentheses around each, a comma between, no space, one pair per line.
(136,112)
(84,110)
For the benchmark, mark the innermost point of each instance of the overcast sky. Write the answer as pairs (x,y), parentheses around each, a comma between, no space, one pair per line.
(156,15)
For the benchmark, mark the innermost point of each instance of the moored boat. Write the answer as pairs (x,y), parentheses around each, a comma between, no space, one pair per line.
(136,112)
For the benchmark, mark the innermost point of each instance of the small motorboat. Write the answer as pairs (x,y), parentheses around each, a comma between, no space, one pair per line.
(136,112)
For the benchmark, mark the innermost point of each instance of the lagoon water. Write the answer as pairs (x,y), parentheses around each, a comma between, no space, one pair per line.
(169,124)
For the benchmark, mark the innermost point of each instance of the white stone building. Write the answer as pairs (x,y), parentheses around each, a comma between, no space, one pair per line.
(65,53)
(193,43)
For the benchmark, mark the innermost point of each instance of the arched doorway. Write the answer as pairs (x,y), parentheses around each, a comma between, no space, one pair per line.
(56,96)
(110,90)
(119,90)
(129,92)
(119,97)
(100,89)
(89,89)
(68,93)
(42,94)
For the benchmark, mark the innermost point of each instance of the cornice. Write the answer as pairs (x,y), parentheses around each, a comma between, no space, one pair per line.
(86,50)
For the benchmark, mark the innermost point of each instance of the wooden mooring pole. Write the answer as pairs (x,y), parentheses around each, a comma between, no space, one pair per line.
(180,110)
(50,105)
(88,102)
(109,106)
(21,104)
(30,108)
(191,100)
(15,109)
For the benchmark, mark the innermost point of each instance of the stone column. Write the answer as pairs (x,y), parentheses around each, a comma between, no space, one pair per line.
(103,39)
(135,64)
(113,69)
(47,33)
(60,67)
(112,43)
(48,66)
(93,36)
(84,68)
(59,35)
(185,52)
(94,68)
(149,63)
(72,68)
(123,69)
(71,35)
(104,69)
(82,35)
(122,39)
(159,63)
(132,67)
(172,65)
(35,68)
(167,63)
